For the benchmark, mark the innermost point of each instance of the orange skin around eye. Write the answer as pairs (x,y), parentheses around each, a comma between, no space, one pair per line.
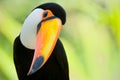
(50,14)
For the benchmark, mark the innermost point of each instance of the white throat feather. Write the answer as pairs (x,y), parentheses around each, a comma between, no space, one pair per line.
(29,29)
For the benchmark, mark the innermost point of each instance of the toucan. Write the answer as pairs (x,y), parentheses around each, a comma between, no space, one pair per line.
(37,51)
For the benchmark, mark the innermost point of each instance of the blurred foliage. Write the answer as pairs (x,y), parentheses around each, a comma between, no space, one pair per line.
(91,36)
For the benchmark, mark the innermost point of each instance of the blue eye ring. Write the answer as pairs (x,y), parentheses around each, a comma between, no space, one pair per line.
(45,14)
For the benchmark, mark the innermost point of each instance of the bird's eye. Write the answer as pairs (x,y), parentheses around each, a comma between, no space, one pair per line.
(45,14)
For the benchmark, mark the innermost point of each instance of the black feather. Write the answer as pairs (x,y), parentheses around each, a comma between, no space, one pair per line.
(56,68)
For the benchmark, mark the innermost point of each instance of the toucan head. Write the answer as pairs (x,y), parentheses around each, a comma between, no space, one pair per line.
(40,32)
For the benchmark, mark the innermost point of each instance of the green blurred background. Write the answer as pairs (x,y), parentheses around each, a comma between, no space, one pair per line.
(91,36)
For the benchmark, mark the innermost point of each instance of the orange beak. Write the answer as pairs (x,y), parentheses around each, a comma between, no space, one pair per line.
(47,37)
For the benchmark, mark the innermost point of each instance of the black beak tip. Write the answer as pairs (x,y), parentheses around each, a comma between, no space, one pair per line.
(31,72)
(37,65)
